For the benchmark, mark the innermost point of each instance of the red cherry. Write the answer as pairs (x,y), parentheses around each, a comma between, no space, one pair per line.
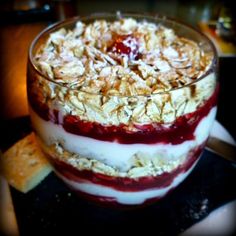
(125,45)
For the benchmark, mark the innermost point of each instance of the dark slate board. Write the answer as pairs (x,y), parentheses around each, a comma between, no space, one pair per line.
(51,208)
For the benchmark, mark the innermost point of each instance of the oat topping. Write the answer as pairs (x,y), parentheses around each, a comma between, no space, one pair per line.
(124,57)
(121,72)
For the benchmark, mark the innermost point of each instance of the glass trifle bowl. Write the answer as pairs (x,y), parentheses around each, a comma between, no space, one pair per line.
(122,105)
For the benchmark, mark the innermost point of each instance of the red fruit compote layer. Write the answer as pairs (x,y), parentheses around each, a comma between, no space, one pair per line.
(122,108)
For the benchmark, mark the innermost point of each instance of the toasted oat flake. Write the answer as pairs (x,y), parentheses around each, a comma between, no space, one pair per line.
(121,50)
(122,72)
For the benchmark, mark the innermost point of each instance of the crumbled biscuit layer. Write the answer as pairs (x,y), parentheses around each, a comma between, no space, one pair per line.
(141,164)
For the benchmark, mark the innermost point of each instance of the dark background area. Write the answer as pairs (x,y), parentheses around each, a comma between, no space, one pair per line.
(189,11)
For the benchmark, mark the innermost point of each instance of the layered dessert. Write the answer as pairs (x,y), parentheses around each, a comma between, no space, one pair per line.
(122,107)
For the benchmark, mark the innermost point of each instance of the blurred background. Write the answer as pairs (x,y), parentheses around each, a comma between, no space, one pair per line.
(186,10)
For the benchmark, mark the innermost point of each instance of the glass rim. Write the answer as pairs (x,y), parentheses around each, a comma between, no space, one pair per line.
(102,15)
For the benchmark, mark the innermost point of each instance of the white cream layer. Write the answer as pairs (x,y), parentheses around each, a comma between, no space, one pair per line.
(116,154)
(127,198)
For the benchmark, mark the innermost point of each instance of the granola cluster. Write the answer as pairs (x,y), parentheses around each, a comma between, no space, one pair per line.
(121,72)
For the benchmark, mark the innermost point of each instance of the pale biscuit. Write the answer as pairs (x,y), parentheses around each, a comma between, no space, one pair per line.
(24,165)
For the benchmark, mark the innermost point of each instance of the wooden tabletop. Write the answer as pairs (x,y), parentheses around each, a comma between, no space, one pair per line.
(14,44)
(17,33)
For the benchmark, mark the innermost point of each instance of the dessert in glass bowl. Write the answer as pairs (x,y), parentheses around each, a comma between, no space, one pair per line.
(122,105)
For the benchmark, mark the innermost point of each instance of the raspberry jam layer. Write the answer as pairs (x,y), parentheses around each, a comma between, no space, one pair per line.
(126,184)
(118,191)
(177,132)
